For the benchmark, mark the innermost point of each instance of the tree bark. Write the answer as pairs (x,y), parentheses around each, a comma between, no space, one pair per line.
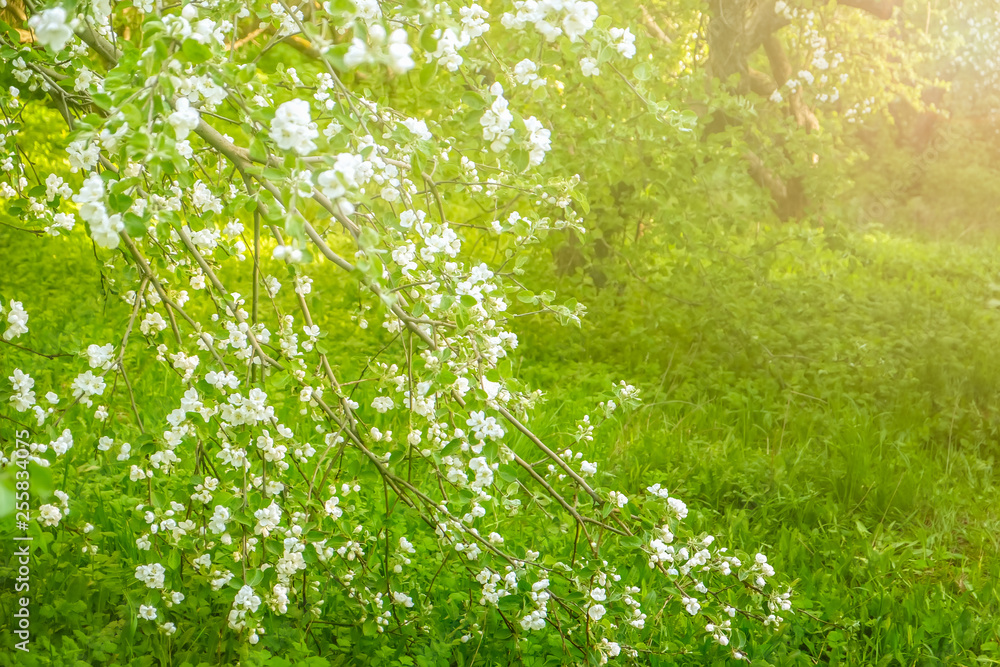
(727,54)
(736,29)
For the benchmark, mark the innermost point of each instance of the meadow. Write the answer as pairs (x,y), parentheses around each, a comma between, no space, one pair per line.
(834,406)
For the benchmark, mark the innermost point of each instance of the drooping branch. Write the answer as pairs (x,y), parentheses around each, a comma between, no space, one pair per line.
(597,523)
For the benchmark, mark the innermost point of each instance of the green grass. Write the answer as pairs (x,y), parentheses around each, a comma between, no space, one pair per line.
(895,556)
(832,402)
(835,407)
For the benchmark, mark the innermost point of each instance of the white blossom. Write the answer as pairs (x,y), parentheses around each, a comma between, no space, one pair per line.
(185,118)
(17,321)
(293,129)
(51,29)
(624,41)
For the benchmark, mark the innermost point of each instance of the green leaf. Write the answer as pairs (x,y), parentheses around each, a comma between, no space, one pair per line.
(195,51)
(520,158)
(134,225)
(427,40)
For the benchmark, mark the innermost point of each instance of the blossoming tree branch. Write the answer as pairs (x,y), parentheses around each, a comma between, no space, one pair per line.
(229,196)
